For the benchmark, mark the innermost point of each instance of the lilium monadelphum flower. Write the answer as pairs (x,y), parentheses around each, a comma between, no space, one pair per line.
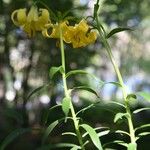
(80,35)
(34,20)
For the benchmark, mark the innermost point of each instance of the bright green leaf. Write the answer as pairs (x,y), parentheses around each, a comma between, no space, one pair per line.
(139,110)
(66,105)
(103,133)
(116,30)
(119,116)
(144,134)
(49,130)
(122,132)
(12,136)
(142,126)
(93,135)
(69,133)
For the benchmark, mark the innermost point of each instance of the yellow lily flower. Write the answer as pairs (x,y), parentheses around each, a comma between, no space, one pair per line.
(55,30)
(80,36)
(33,21)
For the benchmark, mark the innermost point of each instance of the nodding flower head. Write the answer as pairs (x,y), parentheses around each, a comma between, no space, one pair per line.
(32,21)
(80,35)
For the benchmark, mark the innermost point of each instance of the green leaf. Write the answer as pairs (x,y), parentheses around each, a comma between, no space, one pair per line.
(84,109)
(35,91)
(129,96)
(142,126)
(69,133)
(144,134)
(66,105)
(119,116)
(86,88)
(46,114)
(49,130)
(55,70)
(117,103)
(93,135)
(75,72)
(132,146)
(12,136)
(114,83)
(145,95)
(139,110)
(122,132)
(116,30)
(103,133)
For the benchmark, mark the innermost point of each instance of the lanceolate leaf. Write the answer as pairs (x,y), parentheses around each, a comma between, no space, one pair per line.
(139,110)
(145,95)
(116,30)
(120,116)
(84,109)
(75,72)
(55,70)
(114,83)
(69,133)
(103,133)
(86,88)
(12,136)
(35,90)
(142,126)
(122,132)
(49,130)
(66,105)
(144,134)
(93,135)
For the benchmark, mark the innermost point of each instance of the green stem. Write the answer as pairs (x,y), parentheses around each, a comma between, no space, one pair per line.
(120,79)
(75,120)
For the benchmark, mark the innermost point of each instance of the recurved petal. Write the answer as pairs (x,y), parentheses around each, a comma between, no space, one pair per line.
(43,20)
(19,17)
(45,33)
(92,36)
(83,26)
(33,14)
(69,34)
(44,16)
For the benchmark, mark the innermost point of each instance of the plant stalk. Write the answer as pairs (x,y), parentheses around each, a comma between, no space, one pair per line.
(120,79)
(66,92)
